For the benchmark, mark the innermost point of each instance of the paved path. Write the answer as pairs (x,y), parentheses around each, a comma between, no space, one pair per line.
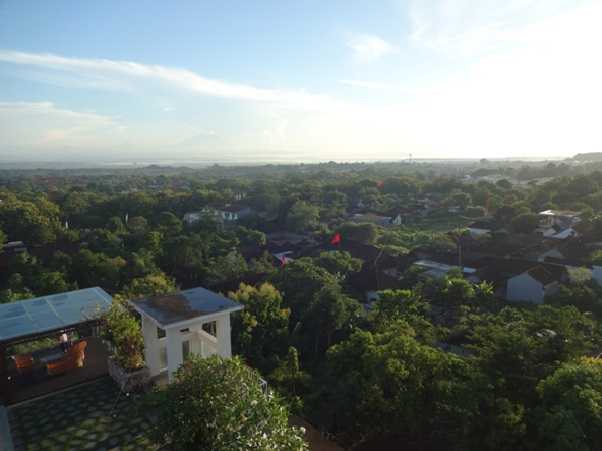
(6,442)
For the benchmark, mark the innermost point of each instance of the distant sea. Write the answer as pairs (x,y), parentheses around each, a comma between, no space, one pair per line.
(252,160)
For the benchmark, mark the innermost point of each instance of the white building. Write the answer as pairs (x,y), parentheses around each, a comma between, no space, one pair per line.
(230,213)
(233,212)
(532,285)
(559,218)
(477,232)
(174,326)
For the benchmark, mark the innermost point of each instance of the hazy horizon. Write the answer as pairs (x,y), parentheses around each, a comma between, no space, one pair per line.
(287,82)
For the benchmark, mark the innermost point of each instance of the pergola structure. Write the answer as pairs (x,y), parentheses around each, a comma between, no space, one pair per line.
(31,319)
(194,321)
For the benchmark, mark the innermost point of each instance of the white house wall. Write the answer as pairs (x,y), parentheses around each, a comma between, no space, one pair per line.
(524,288)
(597,274)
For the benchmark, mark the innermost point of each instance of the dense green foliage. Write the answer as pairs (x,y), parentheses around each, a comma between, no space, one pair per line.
(123,332)
(218,404)
(432,364)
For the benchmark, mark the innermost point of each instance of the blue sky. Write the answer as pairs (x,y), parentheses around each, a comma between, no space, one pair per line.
(299,81)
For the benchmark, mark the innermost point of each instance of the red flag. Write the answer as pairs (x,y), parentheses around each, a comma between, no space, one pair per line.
(336,239)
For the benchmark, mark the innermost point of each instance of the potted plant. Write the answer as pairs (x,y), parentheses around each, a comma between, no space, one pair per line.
(126,344)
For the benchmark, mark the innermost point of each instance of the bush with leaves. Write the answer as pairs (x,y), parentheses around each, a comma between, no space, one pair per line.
(572,407)
(260,330)
(218,404)
(123,331)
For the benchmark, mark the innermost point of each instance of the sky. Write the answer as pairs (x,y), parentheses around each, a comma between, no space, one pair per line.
(312,80)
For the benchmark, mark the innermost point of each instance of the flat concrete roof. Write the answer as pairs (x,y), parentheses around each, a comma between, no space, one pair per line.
(168,309)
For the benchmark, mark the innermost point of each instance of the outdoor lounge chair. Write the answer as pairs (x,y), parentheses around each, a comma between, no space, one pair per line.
(73,358)
(24,364)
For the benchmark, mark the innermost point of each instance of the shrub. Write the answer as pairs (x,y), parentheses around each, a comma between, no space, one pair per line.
(218,404)
(123,331)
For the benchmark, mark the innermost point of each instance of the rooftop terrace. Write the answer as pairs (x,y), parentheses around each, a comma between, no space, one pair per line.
(170,309)
(81,418)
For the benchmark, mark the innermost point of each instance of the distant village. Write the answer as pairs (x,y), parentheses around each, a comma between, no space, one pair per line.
(558,249)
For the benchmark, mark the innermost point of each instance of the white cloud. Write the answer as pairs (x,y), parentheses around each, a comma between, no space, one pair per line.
(180,78)
(538,94)
(470,28)
(42,124)
(367,47)
(366,84)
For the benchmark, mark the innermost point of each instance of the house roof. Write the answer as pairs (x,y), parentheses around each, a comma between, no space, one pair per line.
(195,303)
(498,270)
(564,213)
(483,224)
(35,316)
(542,275)
(370,217)
(12,244)
(234,208)
(442,267)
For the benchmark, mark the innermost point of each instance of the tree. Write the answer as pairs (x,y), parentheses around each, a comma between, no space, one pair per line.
(516,348)
(291,378)
(339,263)
(330,311)
(505,213)
(250,237)
(218,404)
(169,223)
(400,186)
(525,222)
(260,330)
(407,305)
(23,220)
(150,285)
(596,258)
(362,233)
(387,384)
(585,297)
(2,238)
(475,212)
(461,199)
(572,407)
(504,184)
(102,240)
(581,186)
(184,257)
(299,281)
(227,268)
(123,330)
(97,269)
(137,224)
(262,267)
(52,282)
(302,216)
(115,225)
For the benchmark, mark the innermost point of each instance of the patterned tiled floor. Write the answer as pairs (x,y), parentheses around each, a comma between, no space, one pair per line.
(80,419)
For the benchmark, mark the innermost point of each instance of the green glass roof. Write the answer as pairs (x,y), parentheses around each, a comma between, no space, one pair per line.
(43,314)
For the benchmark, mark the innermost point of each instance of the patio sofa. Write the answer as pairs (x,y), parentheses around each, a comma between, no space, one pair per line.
(24,364)
(73,358)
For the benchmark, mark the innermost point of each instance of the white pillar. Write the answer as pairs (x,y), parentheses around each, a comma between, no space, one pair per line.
(174,352)
(224,345)
(151,346)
